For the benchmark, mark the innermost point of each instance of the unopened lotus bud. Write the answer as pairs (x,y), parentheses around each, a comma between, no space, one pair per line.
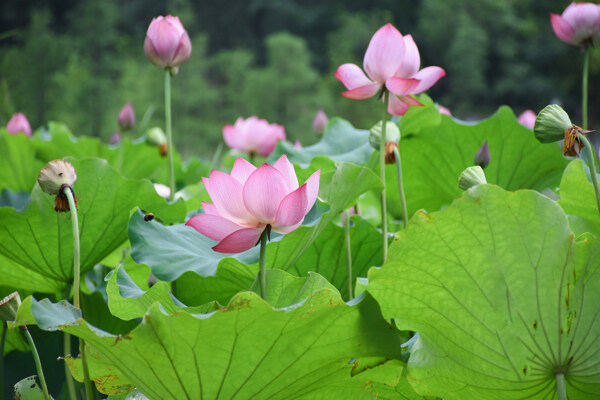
(127,117)
(152,280)
(155,136)
(470,177)
(297,144)
(320,122)
(392,134)
(54,178)
(9,306)
(115,138)
(18,124)
(482,157)
(551,124)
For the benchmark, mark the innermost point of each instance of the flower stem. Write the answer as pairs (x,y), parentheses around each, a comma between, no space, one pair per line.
(120,156)
(561,388)
(2,342)
(400,186)
(261,271)
(68,375)
(348,253)
(386,98)
(584,92)
(589,151)
(169,134)
(36,359)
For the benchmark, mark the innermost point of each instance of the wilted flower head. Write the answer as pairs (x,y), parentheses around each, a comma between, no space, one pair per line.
(578,25)
(54,178)
(553,124)
(251,200)
(392,63)
(167,44)
(527,118)
(127,117)
(18,124)
(482,157)
(253,136)
(320,121)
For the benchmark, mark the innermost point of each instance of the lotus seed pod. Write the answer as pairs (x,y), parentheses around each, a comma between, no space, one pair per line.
(392,134)
(56,175)
(9,306)
(155,136)
(551,124)
(482,157)
(470,177)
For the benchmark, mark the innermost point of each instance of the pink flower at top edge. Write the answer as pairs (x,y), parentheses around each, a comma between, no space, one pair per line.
(253,136)
(249,199)
(391,62)
(167,43)
(578,25)
(127,117)
(18,124)
(527,118)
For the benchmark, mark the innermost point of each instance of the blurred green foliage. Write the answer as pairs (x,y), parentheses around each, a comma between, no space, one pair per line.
(79,62)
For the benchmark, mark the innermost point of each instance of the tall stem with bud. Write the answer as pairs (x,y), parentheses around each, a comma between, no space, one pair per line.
(168,131)
(384,248)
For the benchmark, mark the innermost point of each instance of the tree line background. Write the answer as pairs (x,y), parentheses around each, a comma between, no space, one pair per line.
(80,61)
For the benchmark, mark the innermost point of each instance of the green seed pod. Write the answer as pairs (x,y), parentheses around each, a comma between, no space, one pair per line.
(392,134)
(551,123)
(155,136)
(470,177)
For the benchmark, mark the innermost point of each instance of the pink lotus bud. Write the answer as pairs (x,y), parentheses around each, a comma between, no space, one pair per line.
(444,110)
(253,136)
(115,138)
(527,118)
(167,44)
(297,144)
(482,157)
(19,124)
(127,117)
(320,121)
(578,25)
(162,190)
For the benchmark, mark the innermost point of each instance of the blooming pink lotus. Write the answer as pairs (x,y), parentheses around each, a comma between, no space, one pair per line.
(253,135)
(579,24)
(527,118)
(251,198)
(18,124)
(127,117)
(392,63)
(167,44)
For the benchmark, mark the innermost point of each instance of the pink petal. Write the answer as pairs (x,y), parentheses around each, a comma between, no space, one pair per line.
(266,141)
(384,54)
(527,118)
(239,241)
(213,226)
(584,18)
(234,138)
(363,92)
(312,189)
(286,168)
(209,208)
(352,76)
(401,86)
(399,105)
(411,60)
(292,208)
(165,40)
(242,169)
(287,229)
(183,50)
(226,194)
(562,29)
(263,192)
(427,77)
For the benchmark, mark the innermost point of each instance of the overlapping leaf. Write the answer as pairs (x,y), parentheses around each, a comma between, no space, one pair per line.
(578,199)
(18,165)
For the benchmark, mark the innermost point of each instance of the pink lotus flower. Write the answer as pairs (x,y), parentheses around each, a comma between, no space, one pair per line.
(320,121)
(579,24)
(167,44)
(18,124)
(392,63)
(251,198)
(527,118)
(127,117)
(253,135)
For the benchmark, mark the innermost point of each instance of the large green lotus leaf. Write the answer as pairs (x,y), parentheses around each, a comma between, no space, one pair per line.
(340,142)
(502,295)
(578,199)
(97,312)
(28,389)
(18,276)
(419,118)
(18,165)
(246,350)
(327,254)
(41,239)
(433,160)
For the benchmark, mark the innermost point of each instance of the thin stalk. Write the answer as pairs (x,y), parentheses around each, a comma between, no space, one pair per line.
(89,392)
(561,387)
(386,99)
(584,91)
(216,157)
(120,156)
(589,151)
(68,375)
(2,341)
(36,359)
(400,186)
(348,253)
(262,276)
(169,134)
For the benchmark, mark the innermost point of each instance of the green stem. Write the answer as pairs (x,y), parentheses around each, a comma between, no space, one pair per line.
(36,359)
(348,253)
(386,99)
(561,387)
(68,375)
(589,151)
(262,276)
(89,392)
(2,341)
(120,156)
(169,134)
(584,92)
(400,186)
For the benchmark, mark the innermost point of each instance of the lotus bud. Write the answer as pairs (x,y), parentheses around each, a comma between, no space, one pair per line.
(18,124)
(167,43)
(115,138)
(297,144)
(320,122)
(551,124)
(9,306)
(54,178)
(482,157)
(470,177)
(127,117)
(392,134)
(162,190)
